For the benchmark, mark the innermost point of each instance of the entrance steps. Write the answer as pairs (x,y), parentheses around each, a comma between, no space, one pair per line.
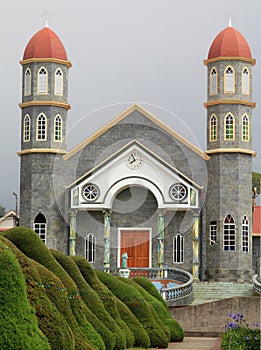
(205,292)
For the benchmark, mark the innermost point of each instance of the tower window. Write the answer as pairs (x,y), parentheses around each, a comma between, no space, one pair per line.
(229,127)
(58,82)
(245,235)
(40,226)
(213,81)
(90,246)
(229,230)
(213,128)
(42,81)
(212,232)
(245,128)
(245,81)
(27,82)
(58,128)
(229,80)
(26,131)
(41,127)
(178,249)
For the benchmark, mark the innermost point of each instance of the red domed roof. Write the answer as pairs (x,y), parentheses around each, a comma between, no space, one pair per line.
(45,44)
(229,43)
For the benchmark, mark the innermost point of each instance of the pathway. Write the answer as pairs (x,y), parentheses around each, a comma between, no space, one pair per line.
(192,343)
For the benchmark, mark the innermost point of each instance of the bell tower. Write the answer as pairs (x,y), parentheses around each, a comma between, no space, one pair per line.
(43,131)
(229,144)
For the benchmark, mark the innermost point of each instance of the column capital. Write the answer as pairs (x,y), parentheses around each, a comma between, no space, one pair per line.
(107,212)
(72,212)
(161,212)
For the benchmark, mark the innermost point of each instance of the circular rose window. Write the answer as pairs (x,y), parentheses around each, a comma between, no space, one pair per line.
(178,192)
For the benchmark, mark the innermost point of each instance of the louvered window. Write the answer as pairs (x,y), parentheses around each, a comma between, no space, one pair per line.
(27,82)
(42,81)
(58,84)
(213,81)
(229,80)
(245,81)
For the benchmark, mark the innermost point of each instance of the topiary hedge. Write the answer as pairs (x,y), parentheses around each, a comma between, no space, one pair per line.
(141,337)
(91,278)
(147,289)
(31,245)
(142,310)
(18,323)
(94,307)
(50,321)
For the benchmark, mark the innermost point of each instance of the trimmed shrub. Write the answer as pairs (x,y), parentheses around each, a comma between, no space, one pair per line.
(31,245)
(142,310)
(94,310)
(91,278)
(148,290)
(141,337)
(18,323)
(50,321)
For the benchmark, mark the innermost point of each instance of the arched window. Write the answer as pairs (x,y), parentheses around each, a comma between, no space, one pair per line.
(58,128)
(229,233)
(213,128)
(41,127)
(229,80)
(27,82)
(58,82)
(40,226)
(178,249)
(26,131)
(245,81)
(213,81)
(245,235)
(42,81)
(229,127)
(245,128)
(213,232)
(90,245)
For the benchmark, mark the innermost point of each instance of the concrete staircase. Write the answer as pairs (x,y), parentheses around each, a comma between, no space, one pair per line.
(204,292)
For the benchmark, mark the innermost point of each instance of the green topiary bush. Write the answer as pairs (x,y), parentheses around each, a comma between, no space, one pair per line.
(50,321)
(31,245)
(91,278)
(142,310)
(148,290)
(94,307)
(141,337)
(18,323)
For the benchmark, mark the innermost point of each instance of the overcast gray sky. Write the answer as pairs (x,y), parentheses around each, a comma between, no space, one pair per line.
(123,51)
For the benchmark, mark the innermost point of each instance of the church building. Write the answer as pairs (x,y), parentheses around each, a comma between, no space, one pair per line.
(136,185)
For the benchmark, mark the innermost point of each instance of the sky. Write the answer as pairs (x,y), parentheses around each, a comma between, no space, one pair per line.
(149,52)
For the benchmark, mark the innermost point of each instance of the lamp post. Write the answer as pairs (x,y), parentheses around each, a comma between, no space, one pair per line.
(16,209)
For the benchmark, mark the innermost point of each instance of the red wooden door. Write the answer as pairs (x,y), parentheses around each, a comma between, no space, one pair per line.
(137,244)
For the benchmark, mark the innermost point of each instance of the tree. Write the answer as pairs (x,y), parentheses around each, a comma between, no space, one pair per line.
(2,211)
(256,179)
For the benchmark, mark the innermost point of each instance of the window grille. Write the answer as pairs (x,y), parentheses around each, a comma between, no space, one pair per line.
(90,246)
(229,233)
(178,247)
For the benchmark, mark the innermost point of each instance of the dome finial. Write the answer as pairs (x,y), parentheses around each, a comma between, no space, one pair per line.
(46,13)
(229,20)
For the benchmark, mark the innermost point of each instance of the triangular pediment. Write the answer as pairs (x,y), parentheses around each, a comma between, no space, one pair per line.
(125,114)
(134,165)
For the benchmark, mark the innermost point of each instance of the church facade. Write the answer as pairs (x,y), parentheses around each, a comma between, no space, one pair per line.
(136,185)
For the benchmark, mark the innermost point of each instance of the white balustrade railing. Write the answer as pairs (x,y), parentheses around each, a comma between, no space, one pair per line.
(257,284)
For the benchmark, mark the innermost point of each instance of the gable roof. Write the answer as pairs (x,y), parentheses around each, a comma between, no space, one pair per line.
(128,146)
(124,114)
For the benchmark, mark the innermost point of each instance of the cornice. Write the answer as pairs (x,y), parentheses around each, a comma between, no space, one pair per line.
(231,150)
(39,60)
(230,102)
(41,150)
(223,58)
(45,103)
